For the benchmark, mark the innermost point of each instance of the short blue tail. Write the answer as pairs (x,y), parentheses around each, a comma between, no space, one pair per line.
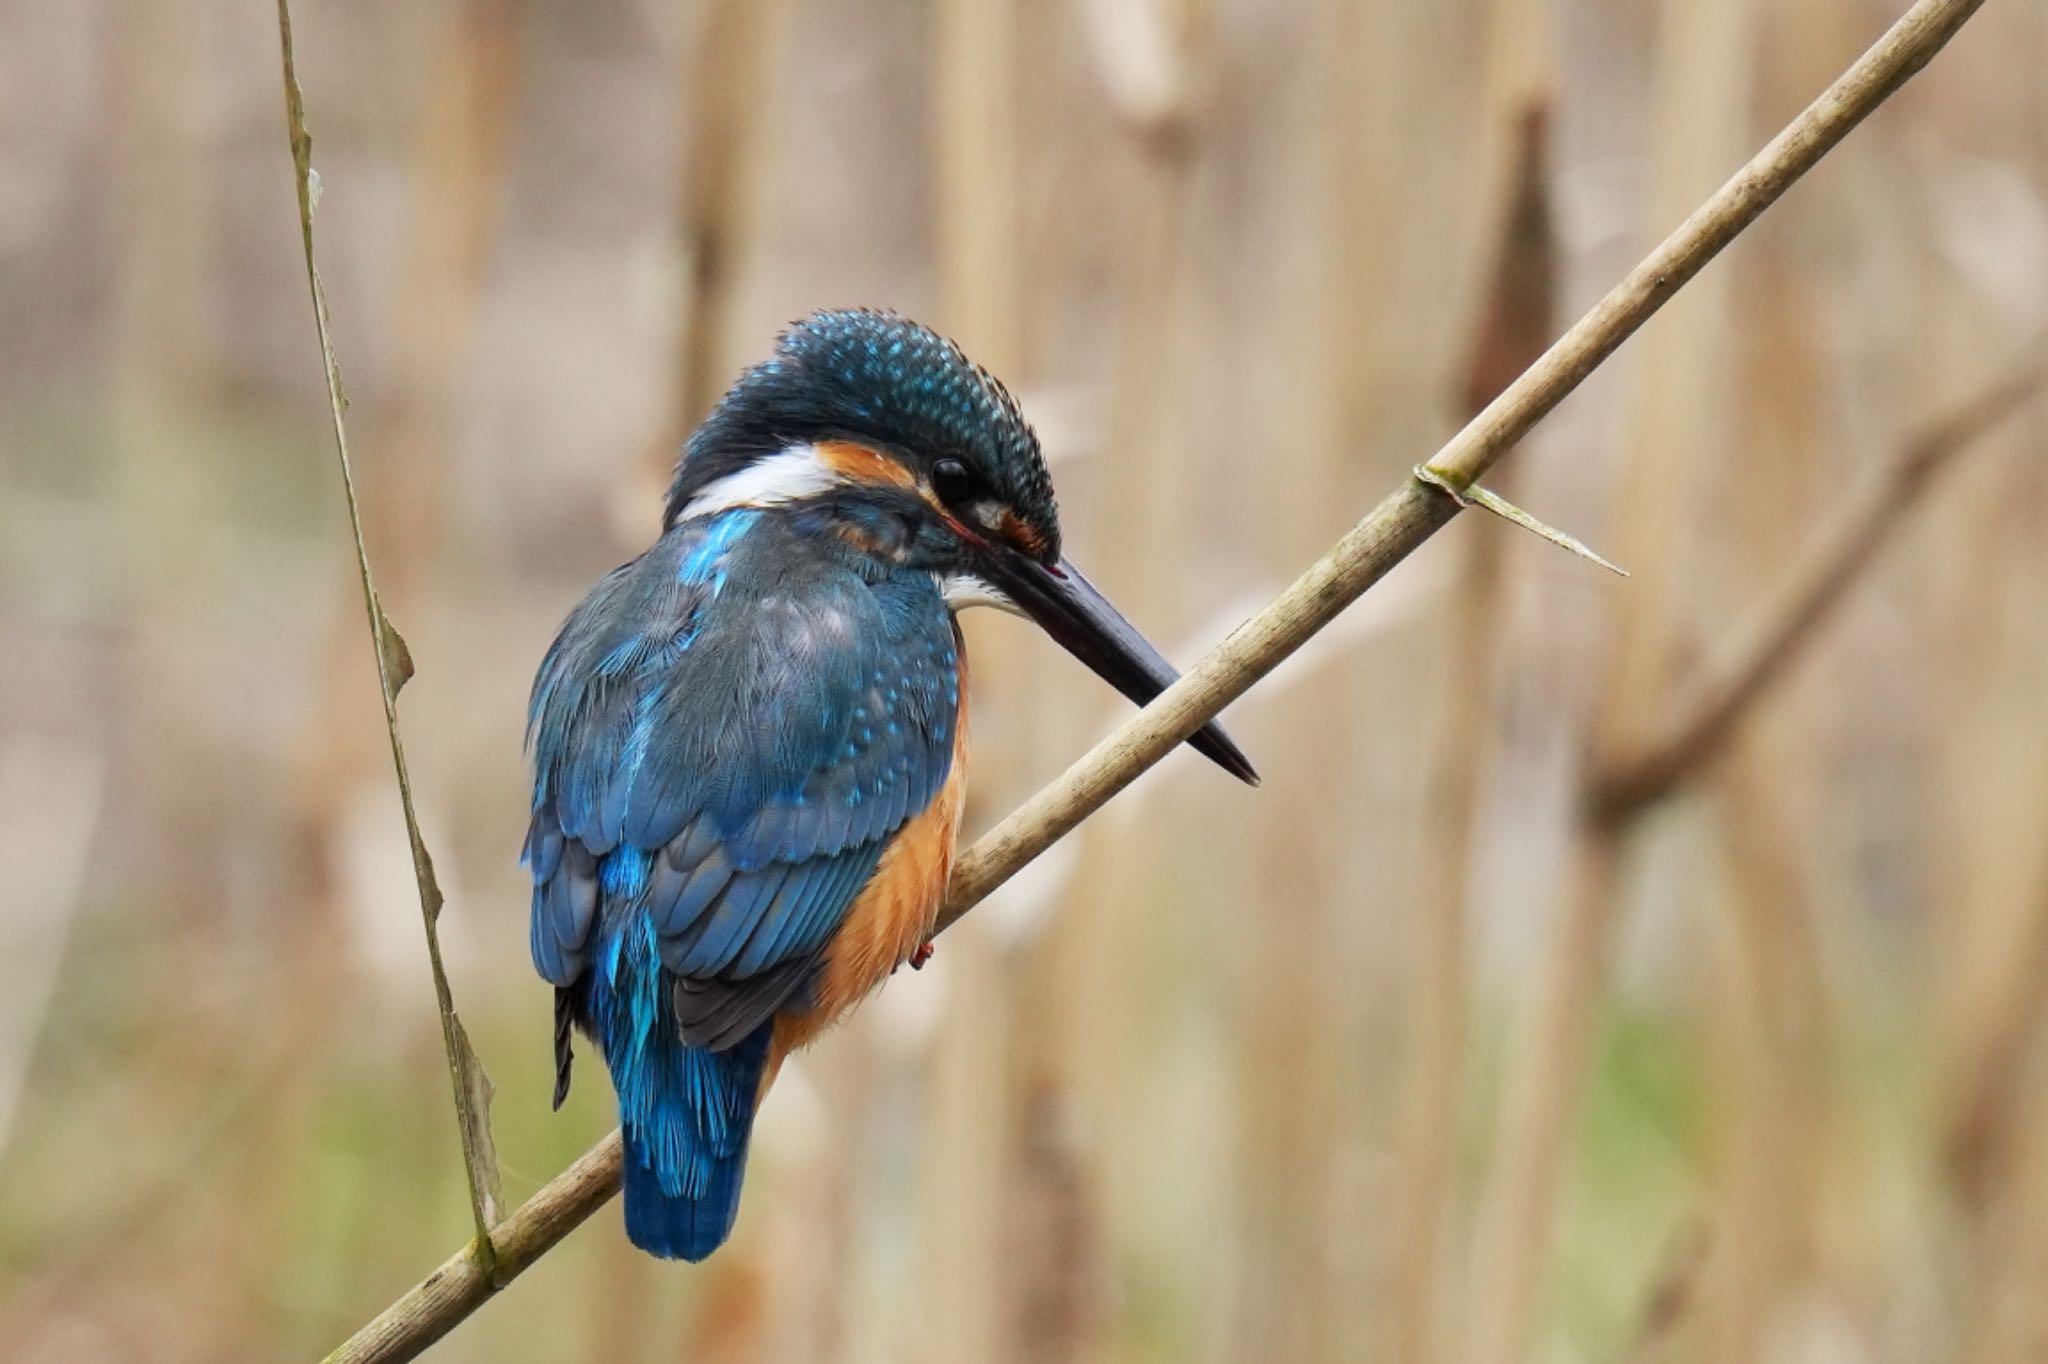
(687,1156)
(685,1226)
(687,1112)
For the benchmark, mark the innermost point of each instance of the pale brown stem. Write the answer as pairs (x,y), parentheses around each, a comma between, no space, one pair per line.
(1393,530)
(1519,317)
(978,81)
(1147,56)
(1540,1102)
(1772,998)
(726,99)
(471,1088)
(1989,1104)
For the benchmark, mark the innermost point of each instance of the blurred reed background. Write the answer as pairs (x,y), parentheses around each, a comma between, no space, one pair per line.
(1441,1047)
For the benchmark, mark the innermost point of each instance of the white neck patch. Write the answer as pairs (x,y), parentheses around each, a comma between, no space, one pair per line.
(962,590)
(786,476)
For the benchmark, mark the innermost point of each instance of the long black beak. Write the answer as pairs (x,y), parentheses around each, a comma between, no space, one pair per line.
(1067,606)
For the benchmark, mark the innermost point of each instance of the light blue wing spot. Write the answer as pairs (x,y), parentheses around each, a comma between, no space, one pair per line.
(725,531)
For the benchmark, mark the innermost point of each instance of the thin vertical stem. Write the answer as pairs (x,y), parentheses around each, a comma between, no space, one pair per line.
(472,1089)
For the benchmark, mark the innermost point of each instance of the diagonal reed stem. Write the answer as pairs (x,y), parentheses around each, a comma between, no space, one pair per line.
(1389,533)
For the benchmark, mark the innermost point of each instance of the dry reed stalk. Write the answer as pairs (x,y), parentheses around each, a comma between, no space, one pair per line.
(1987,1105)
(457,174)
(969,1106)
(1517,321)
(1545,1078)
(1999,1312)
(156,191)
(1300,357)
(457,165)
(471,1088)
(1147,57)
(725,105)
(1773,999)
(1758,1000)
(1696,74)
(1388,534)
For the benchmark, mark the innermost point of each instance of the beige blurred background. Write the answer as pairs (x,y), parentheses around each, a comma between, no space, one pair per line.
(1399,1058)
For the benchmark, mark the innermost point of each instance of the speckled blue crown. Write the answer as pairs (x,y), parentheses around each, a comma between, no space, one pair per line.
(881,379)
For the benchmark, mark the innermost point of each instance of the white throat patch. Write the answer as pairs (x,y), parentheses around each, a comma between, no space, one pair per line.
(962,590)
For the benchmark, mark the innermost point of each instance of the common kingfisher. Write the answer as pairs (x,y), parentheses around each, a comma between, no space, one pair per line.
(750,743)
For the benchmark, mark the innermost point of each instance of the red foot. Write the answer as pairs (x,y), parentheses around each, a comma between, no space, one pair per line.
(922,955)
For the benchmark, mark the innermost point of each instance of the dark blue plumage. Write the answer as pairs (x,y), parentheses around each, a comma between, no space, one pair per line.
(686,1111)
(717,771)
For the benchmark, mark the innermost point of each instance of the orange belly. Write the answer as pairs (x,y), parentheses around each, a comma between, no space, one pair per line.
(893,914)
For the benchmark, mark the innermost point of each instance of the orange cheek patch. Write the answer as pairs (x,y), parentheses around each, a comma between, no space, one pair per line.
(862,464)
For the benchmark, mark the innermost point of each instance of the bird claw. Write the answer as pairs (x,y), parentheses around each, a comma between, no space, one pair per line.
(922,955)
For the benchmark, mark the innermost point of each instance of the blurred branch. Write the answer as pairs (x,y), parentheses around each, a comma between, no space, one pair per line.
(1516,323)
(725,104)
(1988,1103)
(1389,533)
(1762,647)
(975,158)
(471,1086)
(1520,310)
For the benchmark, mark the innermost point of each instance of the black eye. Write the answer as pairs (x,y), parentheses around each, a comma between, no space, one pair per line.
(952,482)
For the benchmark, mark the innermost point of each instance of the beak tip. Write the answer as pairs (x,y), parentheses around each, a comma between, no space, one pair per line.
(1081,620)
(1219,748)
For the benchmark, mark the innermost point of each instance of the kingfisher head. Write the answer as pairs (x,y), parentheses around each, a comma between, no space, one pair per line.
(881,431)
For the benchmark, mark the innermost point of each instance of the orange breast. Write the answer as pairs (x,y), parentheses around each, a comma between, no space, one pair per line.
(893,915)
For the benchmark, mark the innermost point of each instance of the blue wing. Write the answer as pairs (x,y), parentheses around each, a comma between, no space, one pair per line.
(726,733)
